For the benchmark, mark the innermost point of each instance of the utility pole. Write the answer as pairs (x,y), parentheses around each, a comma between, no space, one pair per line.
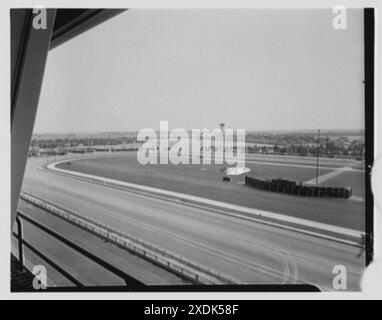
(222,126)
(318,155)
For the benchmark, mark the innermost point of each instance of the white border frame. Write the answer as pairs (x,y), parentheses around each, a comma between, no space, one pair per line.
(375,293)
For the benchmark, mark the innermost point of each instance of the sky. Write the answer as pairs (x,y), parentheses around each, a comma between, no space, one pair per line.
(251,69)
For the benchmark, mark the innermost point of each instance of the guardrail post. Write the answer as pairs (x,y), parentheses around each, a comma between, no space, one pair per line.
(20,242)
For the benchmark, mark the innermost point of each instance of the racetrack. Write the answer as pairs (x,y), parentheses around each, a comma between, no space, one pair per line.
(249,251)
(192,180)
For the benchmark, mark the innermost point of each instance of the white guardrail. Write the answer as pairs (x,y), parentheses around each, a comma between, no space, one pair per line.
(159,256)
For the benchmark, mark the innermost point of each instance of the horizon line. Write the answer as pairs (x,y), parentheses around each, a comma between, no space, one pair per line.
(247,130)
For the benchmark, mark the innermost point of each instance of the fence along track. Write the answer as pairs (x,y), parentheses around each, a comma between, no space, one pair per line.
(175,263)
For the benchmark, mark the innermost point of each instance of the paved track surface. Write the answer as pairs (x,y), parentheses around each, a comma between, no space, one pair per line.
(248,251)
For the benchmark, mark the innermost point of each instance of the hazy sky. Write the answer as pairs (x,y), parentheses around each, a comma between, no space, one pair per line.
(252,69)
